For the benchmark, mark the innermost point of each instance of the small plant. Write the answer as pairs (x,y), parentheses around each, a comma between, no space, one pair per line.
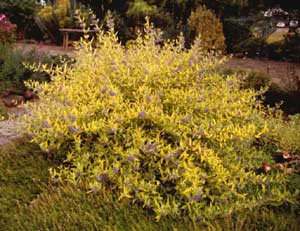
(13,73)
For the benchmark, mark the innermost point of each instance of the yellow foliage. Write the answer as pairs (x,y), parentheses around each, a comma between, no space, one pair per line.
(157,125)
(204,22)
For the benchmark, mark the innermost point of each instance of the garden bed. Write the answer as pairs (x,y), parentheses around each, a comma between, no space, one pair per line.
(148,135)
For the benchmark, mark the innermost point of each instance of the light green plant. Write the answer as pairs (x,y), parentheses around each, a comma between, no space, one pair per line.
(156,125)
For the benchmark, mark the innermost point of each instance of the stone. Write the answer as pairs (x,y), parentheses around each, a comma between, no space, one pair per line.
(13,100)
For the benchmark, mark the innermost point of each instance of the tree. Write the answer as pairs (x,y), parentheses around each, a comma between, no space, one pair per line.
(204,22)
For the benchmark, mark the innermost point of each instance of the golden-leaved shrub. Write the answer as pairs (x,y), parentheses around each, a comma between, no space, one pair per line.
(156,125)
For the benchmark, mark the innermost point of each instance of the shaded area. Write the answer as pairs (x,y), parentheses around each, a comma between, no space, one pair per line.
(290,101)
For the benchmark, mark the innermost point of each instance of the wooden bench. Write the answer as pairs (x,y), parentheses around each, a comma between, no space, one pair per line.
(66,33)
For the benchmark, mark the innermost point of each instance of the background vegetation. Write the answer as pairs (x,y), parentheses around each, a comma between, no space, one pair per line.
(22,13)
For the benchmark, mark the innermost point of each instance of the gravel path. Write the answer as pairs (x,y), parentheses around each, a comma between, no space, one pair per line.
(8,132)
(9,129)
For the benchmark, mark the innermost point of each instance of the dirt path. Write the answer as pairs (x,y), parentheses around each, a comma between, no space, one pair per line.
(281,73)
(41,49)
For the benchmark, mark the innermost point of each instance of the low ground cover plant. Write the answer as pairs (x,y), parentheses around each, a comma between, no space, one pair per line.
(158,126)
(30,202)
(70,209)
(23,171)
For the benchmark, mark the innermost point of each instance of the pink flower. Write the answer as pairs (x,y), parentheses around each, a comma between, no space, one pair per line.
(7,29)
(2,17)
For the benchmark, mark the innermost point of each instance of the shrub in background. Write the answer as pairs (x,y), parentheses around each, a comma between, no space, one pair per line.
(53,17)
(251,47)
(204,22)
(13,69)
(61,14)
(291,47)
(7,30)
(22,13)
(287,50)
(158,126)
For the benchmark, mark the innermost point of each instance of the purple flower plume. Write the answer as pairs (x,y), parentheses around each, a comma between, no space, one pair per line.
(148,98)
(73,129)
(104,90)
(141,114)
(112,93)
(46,124)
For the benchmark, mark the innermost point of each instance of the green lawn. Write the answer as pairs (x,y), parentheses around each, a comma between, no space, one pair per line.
(22,171)
(27,202)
